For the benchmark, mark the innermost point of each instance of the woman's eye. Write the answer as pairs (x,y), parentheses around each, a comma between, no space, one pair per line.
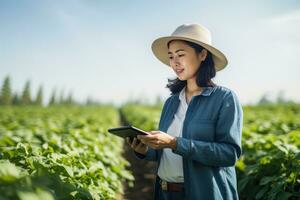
(178,56)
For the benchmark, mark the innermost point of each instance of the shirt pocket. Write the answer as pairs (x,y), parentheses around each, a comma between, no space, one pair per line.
(203,130)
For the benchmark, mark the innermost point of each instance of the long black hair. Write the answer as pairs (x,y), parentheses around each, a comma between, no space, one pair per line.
(205,72)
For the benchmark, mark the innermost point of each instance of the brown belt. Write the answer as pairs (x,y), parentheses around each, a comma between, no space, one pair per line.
(168,186)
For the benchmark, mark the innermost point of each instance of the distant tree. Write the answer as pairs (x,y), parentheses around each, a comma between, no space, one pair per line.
(16,99)
(39,97)
(70,100)
(26,96)
(265,99)
(89,101)
(281,97)
(53,98)
(61,98)
(6,94)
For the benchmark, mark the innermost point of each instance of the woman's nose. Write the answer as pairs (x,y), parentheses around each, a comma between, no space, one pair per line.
(176,61)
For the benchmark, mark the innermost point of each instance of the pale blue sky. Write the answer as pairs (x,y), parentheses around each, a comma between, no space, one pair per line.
(102,49)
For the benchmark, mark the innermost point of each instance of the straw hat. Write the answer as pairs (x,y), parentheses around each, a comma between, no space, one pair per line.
(190,32)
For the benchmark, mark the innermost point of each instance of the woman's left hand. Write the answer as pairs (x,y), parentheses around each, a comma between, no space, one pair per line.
(158,140)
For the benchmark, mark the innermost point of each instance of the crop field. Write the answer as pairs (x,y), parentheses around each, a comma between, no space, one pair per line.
(60,153)
(270,165)
(65,152)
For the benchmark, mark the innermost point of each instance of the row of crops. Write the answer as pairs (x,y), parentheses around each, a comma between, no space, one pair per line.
(270,165)
(60,153)
(141,116)
(66,152)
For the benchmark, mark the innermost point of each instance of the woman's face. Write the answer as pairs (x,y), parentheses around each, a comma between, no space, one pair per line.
(184,60)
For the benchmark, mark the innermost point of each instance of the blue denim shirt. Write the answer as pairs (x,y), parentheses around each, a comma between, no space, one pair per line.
(210,144)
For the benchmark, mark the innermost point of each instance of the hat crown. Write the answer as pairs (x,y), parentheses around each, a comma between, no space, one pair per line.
(193,31)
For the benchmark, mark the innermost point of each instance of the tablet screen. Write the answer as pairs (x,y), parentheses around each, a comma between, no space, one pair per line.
(127,131)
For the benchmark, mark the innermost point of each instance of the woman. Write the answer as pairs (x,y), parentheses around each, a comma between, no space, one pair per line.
(199,136)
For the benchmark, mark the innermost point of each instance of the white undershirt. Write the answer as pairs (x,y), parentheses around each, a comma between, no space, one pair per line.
(170,167)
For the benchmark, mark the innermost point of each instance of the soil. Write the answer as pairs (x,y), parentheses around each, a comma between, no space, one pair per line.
(143,172)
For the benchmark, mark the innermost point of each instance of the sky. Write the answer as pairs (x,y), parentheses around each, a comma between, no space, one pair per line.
(102,49)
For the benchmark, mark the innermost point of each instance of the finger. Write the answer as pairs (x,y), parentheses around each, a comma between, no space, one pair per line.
(141,141)
(154,132)
(149,139)
(154,143)
(138,142)
(140,145)
(146,137)
(142,136)
(134,143)
(129,141)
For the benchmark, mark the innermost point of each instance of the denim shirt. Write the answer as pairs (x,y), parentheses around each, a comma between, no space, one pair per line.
(210,144)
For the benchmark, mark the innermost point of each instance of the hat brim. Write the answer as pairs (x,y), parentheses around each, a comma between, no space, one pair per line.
(160,49)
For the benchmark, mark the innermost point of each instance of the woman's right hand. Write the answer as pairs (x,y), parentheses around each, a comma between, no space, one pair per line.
(137,145)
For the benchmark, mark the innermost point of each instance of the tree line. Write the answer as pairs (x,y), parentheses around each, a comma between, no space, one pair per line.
(8,97)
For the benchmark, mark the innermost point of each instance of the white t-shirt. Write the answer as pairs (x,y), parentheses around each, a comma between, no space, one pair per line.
(170,167)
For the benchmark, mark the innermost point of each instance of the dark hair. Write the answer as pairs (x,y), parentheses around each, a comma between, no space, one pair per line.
(205,72)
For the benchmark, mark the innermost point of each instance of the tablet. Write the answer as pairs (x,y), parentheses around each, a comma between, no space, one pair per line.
(127,131)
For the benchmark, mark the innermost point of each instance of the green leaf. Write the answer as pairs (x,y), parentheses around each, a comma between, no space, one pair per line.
(284,195)
(261,192)
(68,170)
(267,179)
(40,194)
(8,171)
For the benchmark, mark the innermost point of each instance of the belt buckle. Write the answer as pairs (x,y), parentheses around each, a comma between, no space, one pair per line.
(164,185)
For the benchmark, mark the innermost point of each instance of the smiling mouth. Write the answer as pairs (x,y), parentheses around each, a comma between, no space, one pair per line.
(179,71)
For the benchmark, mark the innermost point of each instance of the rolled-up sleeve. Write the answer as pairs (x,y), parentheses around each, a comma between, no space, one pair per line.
(226,149)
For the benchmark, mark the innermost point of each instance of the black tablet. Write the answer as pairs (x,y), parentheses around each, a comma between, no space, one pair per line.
(127,131)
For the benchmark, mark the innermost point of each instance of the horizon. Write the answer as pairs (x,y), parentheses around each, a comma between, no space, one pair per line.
(102,50)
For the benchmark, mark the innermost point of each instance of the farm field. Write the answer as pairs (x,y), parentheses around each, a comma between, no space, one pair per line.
(60,153)
(66,153)
(270,165)
(73,72)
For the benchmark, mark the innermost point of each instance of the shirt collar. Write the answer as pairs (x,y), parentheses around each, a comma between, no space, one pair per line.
(206,92)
